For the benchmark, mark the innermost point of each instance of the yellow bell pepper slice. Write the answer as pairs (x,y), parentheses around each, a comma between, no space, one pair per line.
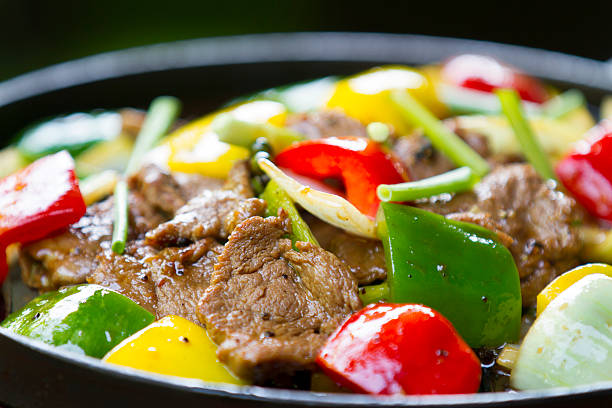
(597,244)
(173,346)
(194,148)
(566,280)
(365,96)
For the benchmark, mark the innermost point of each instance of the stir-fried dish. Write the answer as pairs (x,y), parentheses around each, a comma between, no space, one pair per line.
(441,229)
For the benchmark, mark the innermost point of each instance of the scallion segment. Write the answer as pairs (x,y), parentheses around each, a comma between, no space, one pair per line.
(120,226)
(276,198)
(511,106)
(454,181)
(378,132)
(241,133)
(441,137)
(563,104)
(161,115)
(374,293)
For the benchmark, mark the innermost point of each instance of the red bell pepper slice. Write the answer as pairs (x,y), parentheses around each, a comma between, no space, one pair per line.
(586,172)
(360,163)
(38,200)
(486,74)
(400,348)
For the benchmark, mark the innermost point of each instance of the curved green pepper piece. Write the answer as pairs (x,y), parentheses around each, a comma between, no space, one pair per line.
(276,198)
(74,133)
(88,319)
(457,268)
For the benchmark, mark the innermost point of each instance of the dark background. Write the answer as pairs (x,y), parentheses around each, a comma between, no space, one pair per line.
(38,33)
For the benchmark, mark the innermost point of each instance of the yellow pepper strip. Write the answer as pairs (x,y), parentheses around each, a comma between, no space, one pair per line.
(606,108)
(508,356)
(597,244)
(566,280)
(11,161)
(365,96)
(194,148)
(173,346)
(95,188)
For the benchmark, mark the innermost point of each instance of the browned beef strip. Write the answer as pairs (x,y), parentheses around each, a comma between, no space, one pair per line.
(69,257)
(181,275)
(364,257)
(166,282)
(325,123)
(271,308)
(538,222)
(127,274)
(211,213)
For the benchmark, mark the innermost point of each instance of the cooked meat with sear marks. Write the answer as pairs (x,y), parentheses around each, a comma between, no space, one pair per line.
(364,257)
(271,308)
(326,123)
(538,222)
(212,213)
(166,282)
(181,275)
(158,188)
(239,180)
(127,274)
(422,160)
(69,257)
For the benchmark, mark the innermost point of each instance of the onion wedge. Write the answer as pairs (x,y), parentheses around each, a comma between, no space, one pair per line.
(328,207)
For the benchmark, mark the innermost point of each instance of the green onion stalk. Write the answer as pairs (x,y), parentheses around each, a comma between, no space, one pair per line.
(563,104)
(511,106)
(277,198)
(241,133)
(441,137)
(454,181)
(161,115)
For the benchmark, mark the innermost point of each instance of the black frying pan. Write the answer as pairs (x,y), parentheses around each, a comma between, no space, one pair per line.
(204,74)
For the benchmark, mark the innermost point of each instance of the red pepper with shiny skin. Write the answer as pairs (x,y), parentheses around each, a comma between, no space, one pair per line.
(586,172)
(38,200)
(360,163)
(486,74)
(400,349)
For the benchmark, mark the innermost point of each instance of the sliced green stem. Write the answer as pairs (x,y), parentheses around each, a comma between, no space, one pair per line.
(374,293)
(161,115)
(121,222)
(441,137)
(276,198)
(563,104)
(239,132)
(454,181)
(511,106)
(378,132)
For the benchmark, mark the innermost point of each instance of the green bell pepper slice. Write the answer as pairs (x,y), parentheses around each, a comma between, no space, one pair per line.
(74,133)
(457,268)
(87,319)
